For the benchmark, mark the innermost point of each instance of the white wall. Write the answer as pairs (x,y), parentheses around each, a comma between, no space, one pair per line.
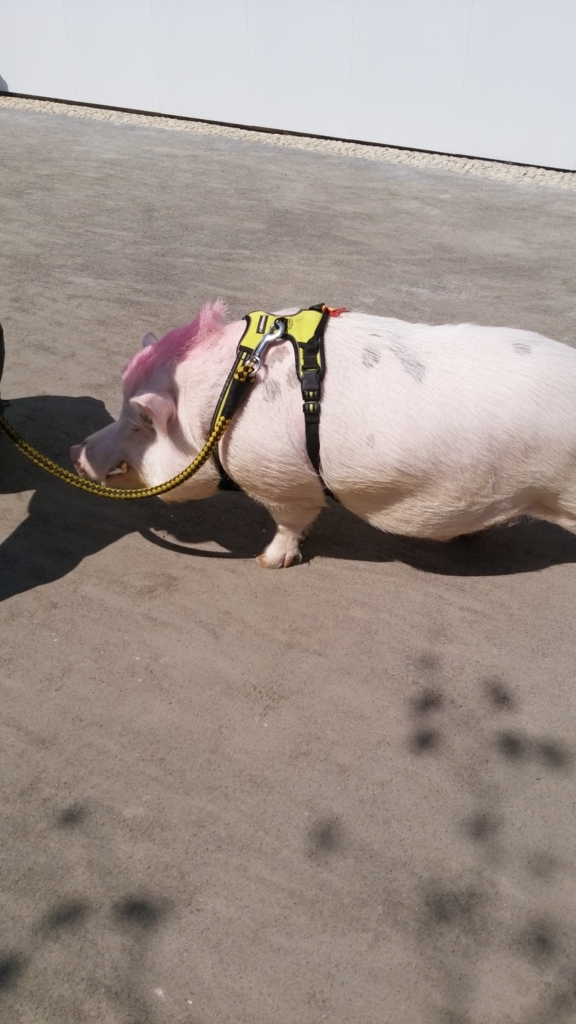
(492,78)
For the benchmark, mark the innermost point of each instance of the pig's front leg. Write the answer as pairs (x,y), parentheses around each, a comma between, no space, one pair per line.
(283,550)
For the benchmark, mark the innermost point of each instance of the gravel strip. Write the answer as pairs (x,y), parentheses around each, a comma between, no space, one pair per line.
(363,151)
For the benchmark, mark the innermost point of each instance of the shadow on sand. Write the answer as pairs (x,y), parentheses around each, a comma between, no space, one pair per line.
(460,927)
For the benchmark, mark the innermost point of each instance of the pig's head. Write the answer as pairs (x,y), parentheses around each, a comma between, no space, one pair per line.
(153,440)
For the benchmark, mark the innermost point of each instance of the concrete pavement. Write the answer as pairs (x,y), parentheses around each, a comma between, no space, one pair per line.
(343,792)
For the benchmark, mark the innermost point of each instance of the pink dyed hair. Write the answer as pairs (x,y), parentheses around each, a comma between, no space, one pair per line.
(174,346)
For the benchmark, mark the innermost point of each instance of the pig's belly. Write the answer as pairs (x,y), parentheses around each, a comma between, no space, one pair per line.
(442,487)
(433,514)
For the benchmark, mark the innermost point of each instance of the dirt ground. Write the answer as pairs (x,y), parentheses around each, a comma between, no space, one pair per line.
(343,792)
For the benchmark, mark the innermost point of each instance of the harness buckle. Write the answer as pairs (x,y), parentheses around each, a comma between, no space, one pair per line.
(309,381)
(275,333)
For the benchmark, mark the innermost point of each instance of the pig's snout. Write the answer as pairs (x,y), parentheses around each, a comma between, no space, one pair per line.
(118,475)
(76,453)
(76,458)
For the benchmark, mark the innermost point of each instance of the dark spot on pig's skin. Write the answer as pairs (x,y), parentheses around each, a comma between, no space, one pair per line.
(522,348)
(291,378)
(370,358)
(271,390)
(278,354)
(370,440)
(409,362)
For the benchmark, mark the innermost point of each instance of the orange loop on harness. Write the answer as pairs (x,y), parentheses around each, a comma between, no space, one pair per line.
(335,312)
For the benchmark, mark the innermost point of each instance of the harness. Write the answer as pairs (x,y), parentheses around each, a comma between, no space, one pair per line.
(304,329)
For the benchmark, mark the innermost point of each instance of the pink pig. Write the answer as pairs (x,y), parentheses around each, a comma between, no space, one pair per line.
(428,432)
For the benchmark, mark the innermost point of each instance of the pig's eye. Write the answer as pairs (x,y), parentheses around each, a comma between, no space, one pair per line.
(145,421)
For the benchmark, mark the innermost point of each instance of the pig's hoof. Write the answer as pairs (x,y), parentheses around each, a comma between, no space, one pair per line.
(291,558)
(281,562)
(282,551)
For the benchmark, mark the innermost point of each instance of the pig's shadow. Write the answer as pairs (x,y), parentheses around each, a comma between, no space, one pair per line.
(527,546)
(64,526)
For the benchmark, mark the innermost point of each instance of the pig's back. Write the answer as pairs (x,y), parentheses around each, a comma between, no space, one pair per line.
(410,398)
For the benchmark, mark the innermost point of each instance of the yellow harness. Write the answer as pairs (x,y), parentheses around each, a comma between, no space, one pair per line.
(305,330)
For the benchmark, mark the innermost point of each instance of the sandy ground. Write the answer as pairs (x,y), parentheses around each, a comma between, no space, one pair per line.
(343,792)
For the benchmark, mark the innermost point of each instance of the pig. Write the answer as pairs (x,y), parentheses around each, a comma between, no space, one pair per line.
(425,431)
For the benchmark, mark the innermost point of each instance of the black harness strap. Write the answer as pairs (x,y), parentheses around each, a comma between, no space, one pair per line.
(310,367)
(226,483)
(311,372)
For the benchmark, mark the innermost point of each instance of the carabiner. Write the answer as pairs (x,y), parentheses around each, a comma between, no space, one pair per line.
(276,333)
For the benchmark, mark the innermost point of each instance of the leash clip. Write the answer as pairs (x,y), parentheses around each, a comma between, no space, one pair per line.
(275,333)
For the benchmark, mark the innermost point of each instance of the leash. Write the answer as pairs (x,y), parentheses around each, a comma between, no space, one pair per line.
(114,492)
(256,339)
(234,392)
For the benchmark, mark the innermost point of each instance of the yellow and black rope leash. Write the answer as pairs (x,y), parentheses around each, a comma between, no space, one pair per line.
(234,391)
(115,492)
(233,394)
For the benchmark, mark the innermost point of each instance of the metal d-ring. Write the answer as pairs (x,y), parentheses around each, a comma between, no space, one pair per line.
(276,333)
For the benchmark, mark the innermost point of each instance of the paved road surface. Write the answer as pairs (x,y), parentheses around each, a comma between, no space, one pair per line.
(340,793)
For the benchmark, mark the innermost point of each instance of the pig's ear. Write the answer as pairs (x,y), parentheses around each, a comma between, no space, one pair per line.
(149,339)
(158,408)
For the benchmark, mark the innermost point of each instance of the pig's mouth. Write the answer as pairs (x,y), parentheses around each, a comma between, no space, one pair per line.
(120,474)
(117,470)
